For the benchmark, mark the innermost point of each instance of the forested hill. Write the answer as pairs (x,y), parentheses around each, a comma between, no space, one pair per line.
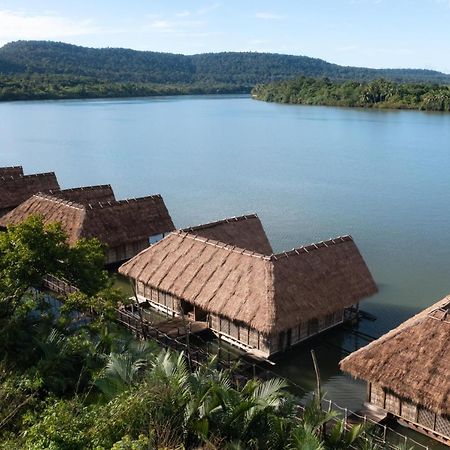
(44,69)
(118,64)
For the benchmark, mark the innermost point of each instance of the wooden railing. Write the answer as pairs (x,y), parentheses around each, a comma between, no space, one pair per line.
(58,285)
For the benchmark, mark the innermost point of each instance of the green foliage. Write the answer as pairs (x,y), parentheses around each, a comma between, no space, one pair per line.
(27,252)
(85,266)
(379,93)
(69,384)
(44,70)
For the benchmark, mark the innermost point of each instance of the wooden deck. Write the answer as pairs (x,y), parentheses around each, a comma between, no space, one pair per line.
(368,413)
(175,327)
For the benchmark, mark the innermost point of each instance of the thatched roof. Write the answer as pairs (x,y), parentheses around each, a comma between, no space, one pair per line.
(269,293)
(113,223)
(244,231)
(412,360)
(12,171)
(16,189)
(87,194)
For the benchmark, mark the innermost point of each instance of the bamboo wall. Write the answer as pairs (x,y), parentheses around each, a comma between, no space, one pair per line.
(167,303)
(305,330)
(409,411)
(126,251)
(239,333)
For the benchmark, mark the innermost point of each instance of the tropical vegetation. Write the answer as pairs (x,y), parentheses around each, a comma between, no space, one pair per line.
(72,381)
(379,93)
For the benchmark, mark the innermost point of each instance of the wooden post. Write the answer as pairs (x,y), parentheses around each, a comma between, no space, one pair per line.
(316,369)
(319,388)
(188,347)
(133,285)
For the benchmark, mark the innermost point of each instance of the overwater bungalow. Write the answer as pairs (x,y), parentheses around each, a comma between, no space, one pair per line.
(226,274)
(15,187)
(408,371)
(126,227)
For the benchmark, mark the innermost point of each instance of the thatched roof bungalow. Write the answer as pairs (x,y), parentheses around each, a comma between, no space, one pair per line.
(15,187)
(257,300)
(124,226)
(408,371)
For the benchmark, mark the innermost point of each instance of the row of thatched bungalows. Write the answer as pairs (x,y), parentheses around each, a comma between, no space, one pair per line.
(225,273)
(125,226)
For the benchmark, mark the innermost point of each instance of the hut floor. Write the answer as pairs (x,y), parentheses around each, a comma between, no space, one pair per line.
(175,327)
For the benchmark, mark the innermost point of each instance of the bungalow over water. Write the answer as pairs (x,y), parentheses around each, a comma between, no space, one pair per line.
(126,226)
(408,371)
(225,273)
(15,187)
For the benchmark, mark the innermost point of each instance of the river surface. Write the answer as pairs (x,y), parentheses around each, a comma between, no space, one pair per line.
(309,172)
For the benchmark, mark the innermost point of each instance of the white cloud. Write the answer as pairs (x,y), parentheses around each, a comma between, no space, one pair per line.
(208,9)
(163,26)
(347,48)
(268,16)
(172,26)
(16,25)
(183,14)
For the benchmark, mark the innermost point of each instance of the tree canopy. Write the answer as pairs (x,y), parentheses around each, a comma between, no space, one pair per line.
(43,70)
(379,93)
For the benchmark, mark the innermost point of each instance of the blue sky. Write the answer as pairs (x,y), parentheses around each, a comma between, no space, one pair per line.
(371,33)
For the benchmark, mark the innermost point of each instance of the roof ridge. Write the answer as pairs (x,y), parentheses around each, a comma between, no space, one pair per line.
(62,201)
(219,244)
(311,247)
(102,205)
(220,222)
(31,175)
(10,167)
(80,188)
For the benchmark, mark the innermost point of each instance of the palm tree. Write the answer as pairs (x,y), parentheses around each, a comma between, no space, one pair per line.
(125,366)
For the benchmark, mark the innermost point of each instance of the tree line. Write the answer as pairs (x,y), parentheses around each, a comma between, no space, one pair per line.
(379,93)
(44,69)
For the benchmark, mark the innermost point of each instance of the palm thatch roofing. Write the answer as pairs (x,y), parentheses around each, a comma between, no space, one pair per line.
(12,171)
(244,232)
(87,194)
(412,360)
(270,293)
(16,189)
(113,223)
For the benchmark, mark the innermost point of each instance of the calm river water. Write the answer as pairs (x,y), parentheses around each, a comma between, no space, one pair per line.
(309,172)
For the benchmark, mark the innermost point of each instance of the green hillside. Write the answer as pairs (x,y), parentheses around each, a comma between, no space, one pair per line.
(43,69)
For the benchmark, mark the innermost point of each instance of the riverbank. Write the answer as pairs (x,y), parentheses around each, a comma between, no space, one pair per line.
(51,87)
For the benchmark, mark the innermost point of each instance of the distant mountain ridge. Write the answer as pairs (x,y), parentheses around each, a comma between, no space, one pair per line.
(240,69)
